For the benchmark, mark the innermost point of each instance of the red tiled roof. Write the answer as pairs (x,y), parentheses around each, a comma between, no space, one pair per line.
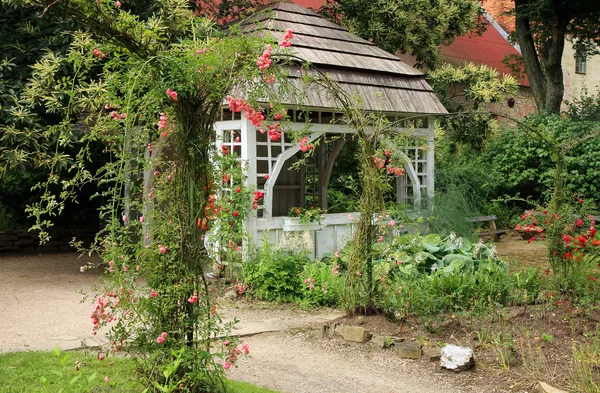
(489,49)
(314,4)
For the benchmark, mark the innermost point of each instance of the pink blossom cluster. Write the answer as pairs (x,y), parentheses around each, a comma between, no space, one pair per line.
(264,61)
(286,41)
(380,162)
(102,313)
(310,283)
(393,170)
(269,78)
(236,104)
(118,116)
(304,145)
(241,288)
(161,339)
(98,53)
(193,299)
(273,131)
(256,117)
(335,270)
(172,94)
(163,125)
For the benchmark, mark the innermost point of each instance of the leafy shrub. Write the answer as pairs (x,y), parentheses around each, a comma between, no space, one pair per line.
(274,275)
(521,164)
(428,275)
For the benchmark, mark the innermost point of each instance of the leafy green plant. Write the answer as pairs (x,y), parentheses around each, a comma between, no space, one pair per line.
(274,275)
(322,283)
(427,275)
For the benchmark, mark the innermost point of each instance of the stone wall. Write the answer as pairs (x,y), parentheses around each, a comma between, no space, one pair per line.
(18,241)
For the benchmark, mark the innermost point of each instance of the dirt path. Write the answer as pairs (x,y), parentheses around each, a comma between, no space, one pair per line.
(41,308)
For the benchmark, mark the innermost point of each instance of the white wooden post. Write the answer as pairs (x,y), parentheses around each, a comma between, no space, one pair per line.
(431,163)
(248,156)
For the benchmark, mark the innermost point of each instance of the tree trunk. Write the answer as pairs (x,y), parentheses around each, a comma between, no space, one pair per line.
(544,62)
(530,58)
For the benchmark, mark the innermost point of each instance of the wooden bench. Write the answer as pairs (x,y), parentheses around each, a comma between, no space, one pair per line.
(492,231)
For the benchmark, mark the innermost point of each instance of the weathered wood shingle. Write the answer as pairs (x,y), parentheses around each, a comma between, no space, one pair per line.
(381,80)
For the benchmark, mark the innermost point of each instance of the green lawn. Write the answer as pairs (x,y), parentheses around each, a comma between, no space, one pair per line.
(43,372)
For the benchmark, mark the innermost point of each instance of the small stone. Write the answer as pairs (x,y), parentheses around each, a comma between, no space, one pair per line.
(329,330)
(543,387)
(360,320)
(353,333)
(408,350)
(456,358)
(230,295)
(319,332)
(382,341)
(432,354)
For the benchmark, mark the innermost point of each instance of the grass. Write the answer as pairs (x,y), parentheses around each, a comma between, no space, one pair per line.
(45,372)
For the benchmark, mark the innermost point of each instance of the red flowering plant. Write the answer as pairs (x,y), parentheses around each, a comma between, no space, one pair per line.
(571,234)
(531,224)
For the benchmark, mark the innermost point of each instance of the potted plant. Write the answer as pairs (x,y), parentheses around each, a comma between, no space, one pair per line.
(529,227)
(303,219)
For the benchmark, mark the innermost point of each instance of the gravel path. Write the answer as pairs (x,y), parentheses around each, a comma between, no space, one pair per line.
(298,363)
(42,307)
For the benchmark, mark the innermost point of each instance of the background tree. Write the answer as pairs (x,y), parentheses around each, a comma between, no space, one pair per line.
(416,27)
(541,29)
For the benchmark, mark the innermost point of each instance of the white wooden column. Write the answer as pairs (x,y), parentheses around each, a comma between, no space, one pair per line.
(430,163)
(248,156)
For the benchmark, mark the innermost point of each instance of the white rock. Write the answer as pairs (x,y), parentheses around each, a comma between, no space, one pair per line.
(456,358)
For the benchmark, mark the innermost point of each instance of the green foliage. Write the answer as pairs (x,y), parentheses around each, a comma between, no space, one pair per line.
(523,164)
(322,283)
(409,26)
(429,275)
(466,91)
(586,107)
(274,275)
(306,215)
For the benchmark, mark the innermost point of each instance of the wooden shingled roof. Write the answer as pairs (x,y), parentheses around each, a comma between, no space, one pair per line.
(381,79)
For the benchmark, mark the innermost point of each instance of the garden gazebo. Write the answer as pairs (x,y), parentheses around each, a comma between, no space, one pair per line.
(383,84)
